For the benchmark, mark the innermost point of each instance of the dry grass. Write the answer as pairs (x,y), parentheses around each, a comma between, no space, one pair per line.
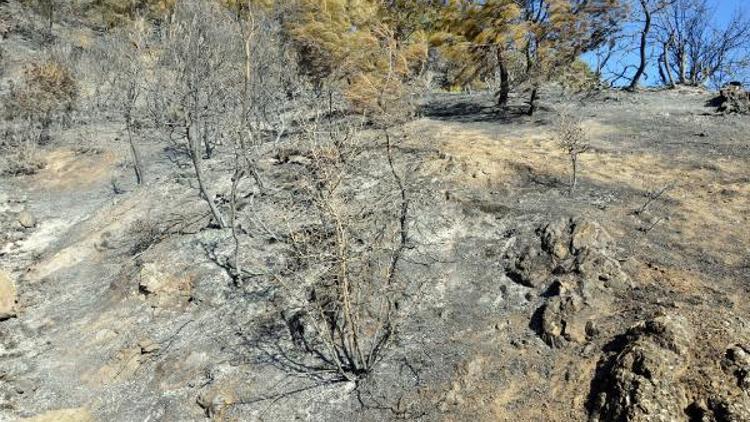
(48,87)
(707,206)
(19,152)
(67,170)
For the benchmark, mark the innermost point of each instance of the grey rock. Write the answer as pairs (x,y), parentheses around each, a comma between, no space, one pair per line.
(737,362)
(556,238)
(733,98)
(530,268)
(573,267)
(720,409)
(588,235)
(216,398)
(148,345)
(601,270)
(556,321)
(24,387)
(580,247)
(642,380)
(739,355)
(592,330)
(64,415)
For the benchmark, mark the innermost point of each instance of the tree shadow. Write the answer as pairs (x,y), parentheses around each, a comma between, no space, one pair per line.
(481,107)
(714,102)
(535,177)
(536,322)
(279,341)
(305,369)
(467,109)
(178,155)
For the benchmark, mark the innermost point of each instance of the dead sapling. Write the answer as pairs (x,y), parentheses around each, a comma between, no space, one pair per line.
(573,140)
(650,226)
(194,82)
(653,196)
(239,174)
(349,259)
(116,189)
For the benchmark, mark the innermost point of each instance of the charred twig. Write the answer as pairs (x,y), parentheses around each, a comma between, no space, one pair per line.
(653,196)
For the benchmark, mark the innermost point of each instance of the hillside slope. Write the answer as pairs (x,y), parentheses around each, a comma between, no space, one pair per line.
(533,304)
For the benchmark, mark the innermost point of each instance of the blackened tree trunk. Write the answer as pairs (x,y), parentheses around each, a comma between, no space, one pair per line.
(573,173)
(643,47)
(532,101)
(665,62)
(502,95)
(137,164)
(662,73)
(681,59)
(207,142)
(196,157)
(49,6)
(239,173)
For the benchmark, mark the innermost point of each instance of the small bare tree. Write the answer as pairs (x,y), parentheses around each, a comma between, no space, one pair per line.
(266,102)
(654,195)
(194,83)
(573,140)
(47,10)
(128,82)
(343,282)
(48,7)
(344,294)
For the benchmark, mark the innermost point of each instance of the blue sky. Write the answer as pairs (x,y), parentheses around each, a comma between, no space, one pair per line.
(723,10)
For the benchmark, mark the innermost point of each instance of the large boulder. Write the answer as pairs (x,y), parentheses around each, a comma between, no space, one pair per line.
(7,297)
(720,409)
(737,362)
(642,381)
(733,98)
(569,261)
(566,248)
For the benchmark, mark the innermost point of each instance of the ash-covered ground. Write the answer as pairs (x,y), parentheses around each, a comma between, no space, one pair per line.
(623,300)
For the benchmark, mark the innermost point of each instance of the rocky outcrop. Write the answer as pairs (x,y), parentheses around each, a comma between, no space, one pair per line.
(7,296)
(720,409)
(642,381)
(569,248)
(559,322)
(737,362)
(733,98)
(571,262)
